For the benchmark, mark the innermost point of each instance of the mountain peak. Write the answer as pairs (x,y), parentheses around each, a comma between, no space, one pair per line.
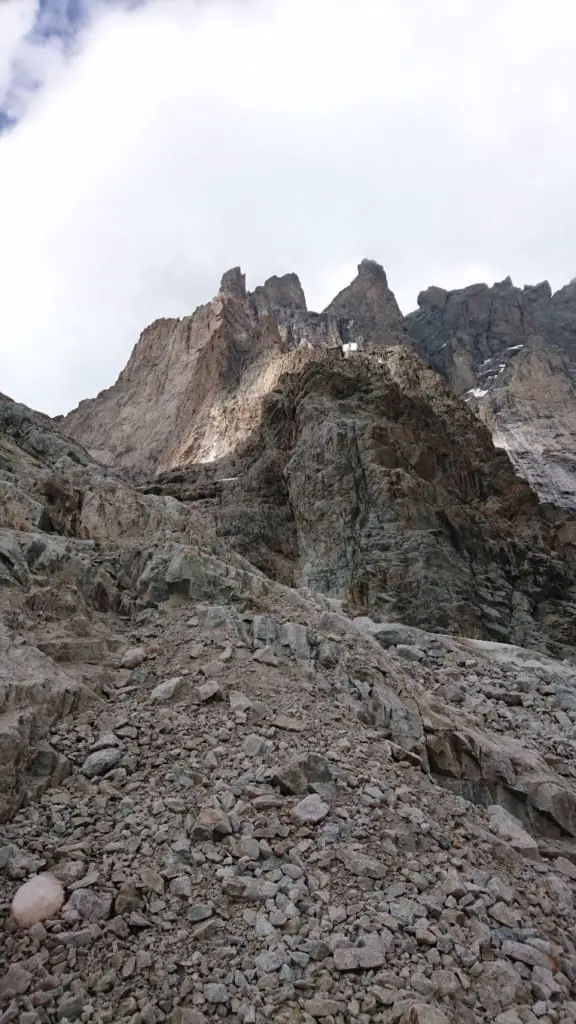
(372,269)
(369,301)
(233,283)
(283,292)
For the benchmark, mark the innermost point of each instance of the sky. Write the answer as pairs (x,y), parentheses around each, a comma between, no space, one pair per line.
(146,147)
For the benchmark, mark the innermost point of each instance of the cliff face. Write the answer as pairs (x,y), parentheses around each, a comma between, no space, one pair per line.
(368,480)
(192,389)
(323,449)
(371,305)
(511,353)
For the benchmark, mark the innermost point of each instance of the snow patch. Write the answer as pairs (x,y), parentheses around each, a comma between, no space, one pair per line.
(476,393)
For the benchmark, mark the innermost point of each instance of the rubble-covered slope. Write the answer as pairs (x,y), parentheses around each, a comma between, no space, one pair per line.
(257,807)
(282,814)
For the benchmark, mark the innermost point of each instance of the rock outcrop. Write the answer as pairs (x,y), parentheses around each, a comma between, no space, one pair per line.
(371,482)
(279,293)
(193,388)
(370,304)
(74,541)
(333,459)
(511,353)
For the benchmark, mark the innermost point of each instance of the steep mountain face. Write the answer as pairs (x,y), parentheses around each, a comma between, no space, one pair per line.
(370,304)
(511,353)
(324,450)
(193,388)
(369,481)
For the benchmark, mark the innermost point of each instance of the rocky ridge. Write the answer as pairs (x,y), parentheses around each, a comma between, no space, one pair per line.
(193,388)
(343,465)
(511,352)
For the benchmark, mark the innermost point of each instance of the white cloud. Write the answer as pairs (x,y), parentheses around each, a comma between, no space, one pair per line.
(282,135)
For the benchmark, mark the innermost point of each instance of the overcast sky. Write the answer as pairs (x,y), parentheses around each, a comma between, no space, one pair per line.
(182,138)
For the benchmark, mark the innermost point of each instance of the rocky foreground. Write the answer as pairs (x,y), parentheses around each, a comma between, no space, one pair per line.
(259,803)
(260,820)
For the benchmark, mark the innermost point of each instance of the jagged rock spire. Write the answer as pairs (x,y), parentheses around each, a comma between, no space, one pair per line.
(283,292)
(233,283)
(368,299)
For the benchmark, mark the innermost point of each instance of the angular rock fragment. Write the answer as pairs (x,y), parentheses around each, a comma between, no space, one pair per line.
(210,690)
(507,827)
(295,777)
(265,655)
(133,657)
(168,689)
(310,810)
(210,823)
(357,958)
(101,761)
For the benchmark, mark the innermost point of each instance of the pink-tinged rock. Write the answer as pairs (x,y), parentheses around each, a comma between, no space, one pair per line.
(39,898)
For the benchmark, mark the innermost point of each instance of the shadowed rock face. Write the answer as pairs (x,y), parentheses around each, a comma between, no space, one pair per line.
(233,283)
(280,293)
(368,480)
(511,353)
(370,304)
